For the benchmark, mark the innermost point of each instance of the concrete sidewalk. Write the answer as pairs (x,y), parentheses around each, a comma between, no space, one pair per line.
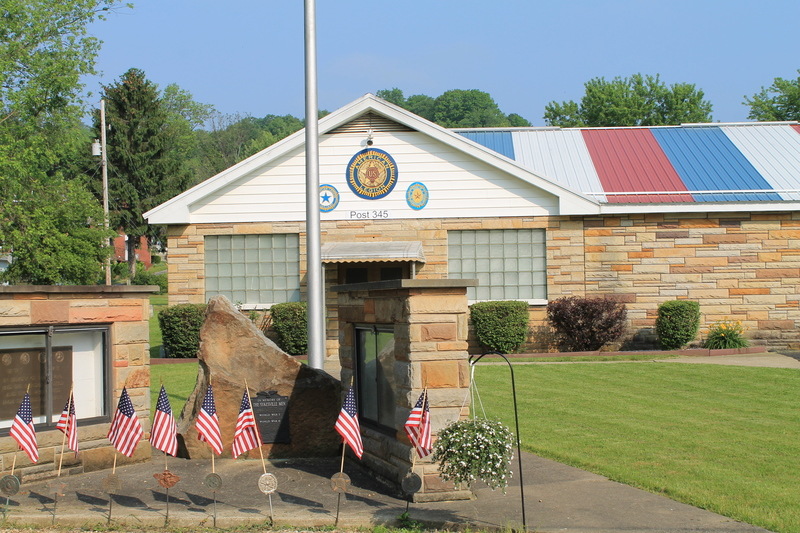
(558,498)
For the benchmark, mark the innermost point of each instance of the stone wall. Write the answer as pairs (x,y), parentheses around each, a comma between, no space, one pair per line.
(126,311)
(741,266)
(430,350)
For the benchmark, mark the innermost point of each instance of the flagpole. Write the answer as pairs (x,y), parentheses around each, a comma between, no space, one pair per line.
(114,468)
(14,463)
(344,449)
(260,451)
(212,460)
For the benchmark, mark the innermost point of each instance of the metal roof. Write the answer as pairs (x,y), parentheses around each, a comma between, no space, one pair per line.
(366,252)
(745,162)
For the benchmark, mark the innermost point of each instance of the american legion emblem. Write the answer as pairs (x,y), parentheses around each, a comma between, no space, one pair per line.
(371,174)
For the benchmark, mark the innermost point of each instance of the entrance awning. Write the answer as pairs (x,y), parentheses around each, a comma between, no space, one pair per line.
(372,252)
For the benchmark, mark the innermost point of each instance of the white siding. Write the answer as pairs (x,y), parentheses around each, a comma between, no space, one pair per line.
(458,184)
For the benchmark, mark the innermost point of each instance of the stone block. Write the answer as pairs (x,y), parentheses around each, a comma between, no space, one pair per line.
(131,333)
(441,374)
(50,312)
(81,315)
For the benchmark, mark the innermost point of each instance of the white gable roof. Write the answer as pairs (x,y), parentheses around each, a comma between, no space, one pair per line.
(187,207)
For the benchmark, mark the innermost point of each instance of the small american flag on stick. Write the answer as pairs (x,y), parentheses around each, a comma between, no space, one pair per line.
(22,429)
(347,424)
(68,424)
(418,426)
(208,422)
(246,436)
(126,430)
(164,435)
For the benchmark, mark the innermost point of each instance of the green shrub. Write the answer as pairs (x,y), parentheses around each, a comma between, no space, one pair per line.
(677,323)
(500,326)
(180,329)
(586,324)
(290,323)
(145,277)
(726,334)
(155,259)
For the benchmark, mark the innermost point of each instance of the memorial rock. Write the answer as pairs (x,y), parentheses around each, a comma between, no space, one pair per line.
(232,350)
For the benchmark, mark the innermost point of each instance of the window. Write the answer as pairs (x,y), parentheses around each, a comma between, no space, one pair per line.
(48,363)
(509,264)
(375,374)
(253,269)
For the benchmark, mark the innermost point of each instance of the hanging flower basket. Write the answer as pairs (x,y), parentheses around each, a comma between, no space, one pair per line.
(475,449)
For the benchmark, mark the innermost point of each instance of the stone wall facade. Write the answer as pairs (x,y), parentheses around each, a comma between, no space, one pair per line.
(430,351)
(126,311)
(740,266)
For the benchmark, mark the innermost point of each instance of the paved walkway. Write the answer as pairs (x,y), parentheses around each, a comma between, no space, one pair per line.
(559,498)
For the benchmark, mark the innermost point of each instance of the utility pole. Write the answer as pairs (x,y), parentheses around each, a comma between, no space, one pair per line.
(100,149)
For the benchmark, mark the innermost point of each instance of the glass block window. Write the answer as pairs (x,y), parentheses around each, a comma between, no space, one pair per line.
(253,269)
(509,264)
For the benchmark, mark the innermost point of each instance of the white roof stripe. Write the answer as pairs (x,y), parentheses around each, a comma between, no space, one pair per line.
(774,151)
(561,156)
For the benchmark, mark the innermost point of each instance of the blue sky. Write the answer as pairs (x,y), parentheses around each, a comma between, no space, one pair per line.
(246,56)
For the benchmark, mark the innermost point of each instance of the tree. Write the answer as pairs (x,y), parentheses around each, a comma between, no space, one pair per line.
(457,108)
(467,109)
(49,221)
(146,165)
(780,101)
(635,101)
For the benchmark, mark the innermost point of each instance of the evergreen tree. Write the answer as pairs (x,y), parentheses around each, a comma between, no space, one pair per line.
(146,163)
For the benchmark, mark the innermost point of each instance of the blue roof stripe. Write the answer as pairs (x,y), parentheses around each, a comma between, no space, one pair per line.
(499,141)
(706,159)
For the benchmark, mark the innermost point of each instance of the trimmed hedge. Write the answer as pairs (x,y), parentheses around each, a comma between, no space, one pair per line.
(180,329)
(586,324)
(290,324)
(145,277)
(677,323)
(500,326)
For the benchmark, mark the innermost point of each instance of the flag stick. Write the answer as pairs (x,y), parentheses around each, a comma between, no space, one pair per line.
(212,460)
(258,433)
(344,448)
(14,463)
(64,440)
(165,461)
(114,468)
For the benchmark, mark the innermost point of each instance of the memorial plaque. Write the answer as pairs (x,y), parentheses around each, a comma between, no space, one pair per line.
(272,417)
(26,367)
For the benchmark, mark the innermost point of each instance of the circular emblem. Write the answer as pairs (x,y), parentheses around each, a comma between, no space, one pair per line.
(371,174)
(9,485)
(213,481)
(411,483)
(328,198)
(417,196)
(340,482)
(6,359)
(112,484)
(267,483)
(167,479)
(59,357)
(25,358)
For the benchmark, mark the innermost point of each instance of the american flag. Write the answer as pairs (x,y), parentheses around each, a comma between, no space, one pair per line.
(164,435)
(68,424)
(347,424)
(418,426)
(126,430)
(246,436)
(23,431)
(208,423)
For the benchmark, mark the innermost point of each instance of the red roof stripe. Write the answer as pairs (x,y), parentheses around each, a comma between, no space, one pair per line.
(796,127)
(631,160)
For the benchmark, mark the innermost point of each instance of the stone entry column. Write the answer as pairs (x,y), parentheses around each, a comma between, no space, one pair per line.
(430,319)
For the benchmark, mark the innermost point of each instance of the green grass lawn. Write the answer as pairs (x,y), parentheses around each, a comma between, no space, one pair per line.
(723,438)
(178,380)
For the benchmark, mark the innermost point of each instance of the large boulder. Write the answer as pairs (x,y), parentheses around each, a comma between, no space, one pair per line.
(233,350)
